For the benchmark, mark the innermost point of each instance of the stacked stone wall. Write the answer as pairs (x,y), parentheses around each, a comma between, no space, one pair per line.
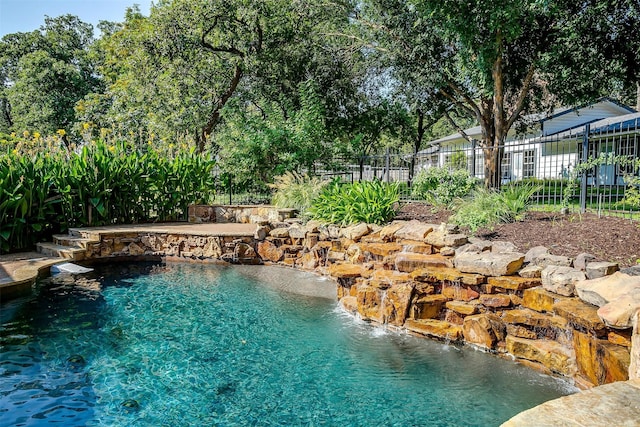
(556,314)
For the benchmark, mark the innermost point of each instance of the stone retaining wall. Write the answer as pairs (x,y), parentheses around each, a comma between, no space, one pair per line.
(571,317)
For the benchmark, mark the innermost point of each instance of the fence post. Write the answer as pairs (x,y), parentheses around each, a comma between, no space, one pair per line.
(583,177)
(473,157)
(387,165)
(230,191)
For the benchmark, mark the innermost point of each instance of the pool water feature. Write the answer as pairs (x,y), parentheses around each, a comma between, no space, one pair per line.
(187,345)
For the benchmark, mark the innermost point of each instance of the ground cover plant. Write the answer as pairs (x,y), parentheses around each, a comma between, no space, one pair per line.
(47,187)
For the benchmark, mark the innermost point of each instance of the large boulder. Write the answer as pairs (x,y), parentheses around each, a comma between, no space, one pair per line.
(561,280)
(603,290)
(412,230)
(489,264)
(619,313)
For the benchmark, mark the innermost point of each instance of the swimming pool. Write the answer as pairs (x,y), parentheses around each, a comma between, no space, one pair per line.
(192,345)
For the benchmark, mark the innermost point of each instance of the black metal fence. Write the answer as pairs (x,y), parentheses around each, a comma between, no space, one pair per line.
(585,169)
(589,168)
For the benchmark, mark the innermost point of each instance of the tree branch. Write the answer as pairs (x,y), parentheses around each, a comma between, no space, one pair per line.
(456,126)
(470,103)
(524,91)
(460,104)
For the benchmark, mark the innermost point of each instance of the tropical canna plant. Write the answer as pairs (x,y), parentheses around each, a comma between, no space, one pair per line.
(45,188)
(373,202)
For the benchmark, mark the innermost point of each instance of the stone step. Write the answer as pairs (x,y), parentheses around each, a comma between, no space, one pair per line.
(73,241)
(66,252)
(83,233)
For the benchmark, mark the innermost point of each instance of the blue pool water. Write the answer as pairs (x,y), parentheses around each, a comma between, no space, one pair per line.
(205,345)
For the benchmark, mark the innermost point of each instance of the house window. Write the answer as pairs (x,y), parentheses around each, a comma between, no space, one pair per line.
(529,164)
(518,165)
(505,167)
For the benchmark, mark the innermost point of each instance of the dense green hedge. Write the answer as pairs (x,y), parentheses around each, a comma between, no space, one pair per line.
(46,187)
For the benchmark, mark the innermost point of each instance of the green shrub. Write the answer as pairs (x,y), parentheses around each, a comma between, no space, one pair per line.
(483,209)
(372,202)
(441,186)
(293,190)
(486,208)
(516,199)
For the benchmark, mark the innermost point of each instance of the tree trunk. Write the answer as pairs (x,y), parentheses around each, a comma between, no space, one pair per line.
(637,96)
(416,145)
(214,119)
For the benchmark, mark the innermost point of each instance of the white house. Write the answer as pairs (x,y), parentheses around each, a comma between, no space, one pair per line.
(552,146)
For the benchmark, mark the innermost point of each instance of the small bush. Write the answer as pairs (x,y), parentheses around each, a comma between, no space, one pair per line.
(372,202)
(487,207)
(483,209)
(293,190)
(441,186)
(516,200)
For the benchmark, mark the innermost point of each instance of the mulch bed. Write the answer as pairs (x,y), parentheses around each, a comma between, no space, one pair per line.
(608,238)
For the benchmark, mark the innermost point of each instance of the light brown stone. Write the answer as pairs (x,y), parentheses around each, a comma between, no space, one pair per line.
(549,353)
(462,307)
(599,361)
(454,317)
(609,405)
(441,238)
(413,230)
(606,289)
(379,250)
(409,262)
(396,304)
(280,233)
(489,264)
(634,365)
(308,261)
(416,247)
(531,272)
(619,313)
(534,319)
(521,332)
(350,304)
(595,270)
(580,315)
(270,252)
(483,330)
(391,276)
(510,283)
(356,232)
(387,233)
(561,280)
(495,300)
(459,292)
(547,260)
(370,303)
(435,328)
(440,274)
(539,299)
(345,271)
(622,338)
(428,307)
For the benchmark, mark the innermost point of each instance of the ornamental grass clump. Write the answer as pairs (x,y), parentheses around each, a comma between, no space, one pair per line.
(294,190)
(486,208)
(373,202)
